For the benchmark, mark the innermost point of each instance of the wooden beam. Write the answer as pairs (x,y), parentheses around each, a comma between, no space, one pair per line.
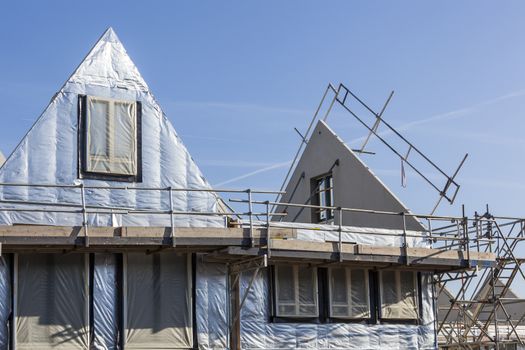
(312,246)
(416,254)
(235,241)
(129,231)
(419,257)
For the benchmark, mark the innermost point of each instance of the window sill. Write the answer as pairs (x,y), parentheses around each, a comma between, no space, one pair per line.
(399,321)
(110,177)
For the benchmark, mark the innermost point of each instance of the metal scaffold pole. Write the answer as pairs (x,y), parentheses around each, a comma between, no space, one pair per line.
(482,314)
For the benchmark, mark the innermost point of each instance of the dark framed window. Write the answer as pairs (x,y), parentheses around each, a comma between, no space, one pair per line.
(323,196)
(349,293)
(164,282)
(296,291)
(109,139)
(344,294)
(398,295)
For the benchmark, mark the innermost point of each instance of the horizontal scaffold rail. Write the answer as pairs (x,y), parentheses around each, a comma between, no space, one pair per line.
(231,244)
(448,242)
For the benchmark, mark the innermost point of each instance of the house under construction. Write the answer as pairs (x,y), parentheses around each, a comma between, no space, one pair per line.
(111,238)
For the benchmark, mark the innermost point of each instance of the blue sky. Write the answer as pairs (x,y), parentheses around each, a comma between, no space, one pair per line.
(235,78)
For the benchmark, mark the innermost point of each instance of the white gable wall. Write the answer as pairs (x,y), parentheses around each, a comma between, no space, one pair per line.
(48,154)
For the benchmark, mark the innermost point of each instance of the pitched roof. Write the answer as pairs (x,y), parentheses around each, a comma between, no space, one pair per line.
(355,185)
(49,152)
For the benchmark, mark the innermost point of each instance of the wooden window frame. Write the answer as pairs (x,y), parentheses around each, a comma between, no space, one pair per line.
(317,194)
(84,146)
(297,304)
(348,275)
(416,287)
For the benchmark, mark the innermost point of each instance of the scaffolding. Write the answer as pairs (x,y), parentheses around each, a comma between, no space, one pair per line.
(475,260)
(477,309)
(400,146)
(473,305)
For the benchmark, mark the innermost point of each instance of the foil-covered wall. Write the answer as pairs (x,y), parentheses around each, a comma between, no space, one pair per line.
(212,310)
(49,154)
(257,332)
(105,300)
(5,302)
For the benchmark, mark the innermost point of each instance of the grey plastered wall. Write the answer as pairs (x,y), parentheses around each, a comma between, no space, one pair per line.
(355,186)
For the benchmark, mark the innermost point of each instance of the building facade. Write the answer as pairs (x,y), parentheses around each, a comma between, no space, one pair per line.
(113,239)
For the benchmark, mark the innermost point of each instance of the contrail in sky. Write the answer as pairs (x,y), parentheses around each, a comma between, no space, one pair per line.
(458,113)
(255,172)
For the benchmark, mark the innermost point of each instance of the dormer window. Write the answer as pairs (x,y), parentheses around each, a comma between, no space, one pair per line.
(110,137)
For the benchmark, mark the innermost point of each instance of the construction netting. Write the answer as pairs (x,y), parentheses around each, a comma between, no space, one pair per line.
(153,294)
(158,290)
(52,301)
(106,304)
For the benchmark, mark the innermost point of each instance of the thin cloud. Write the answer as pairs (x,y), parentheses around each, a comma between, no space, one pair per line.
(255,172)
(409,173)
(458,113)
(478,182)
(481,137)
(235,163)
(241,106)
(210,138)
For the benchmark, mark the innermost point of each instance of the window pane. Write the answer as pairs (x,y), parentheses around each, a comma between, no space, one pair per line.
(347,303)
(285,284)
(124,139)
(359,290)
(124,130)
(321,185)
(340,311)
(98,128)
(286,310)
(388,280)
(306,285)
(408,294)
(322,200)
(339,292)
(321,189)
(398,296)
(324,197)
(111,136)
(307,310)
(296,291)
(407,284)
(359,294)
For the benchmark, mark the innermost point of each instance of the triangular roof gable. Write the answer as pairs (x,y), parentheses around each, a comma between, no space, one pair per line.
(486,288)
(48,153)
(515,308)
(355,184)
(444,304)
